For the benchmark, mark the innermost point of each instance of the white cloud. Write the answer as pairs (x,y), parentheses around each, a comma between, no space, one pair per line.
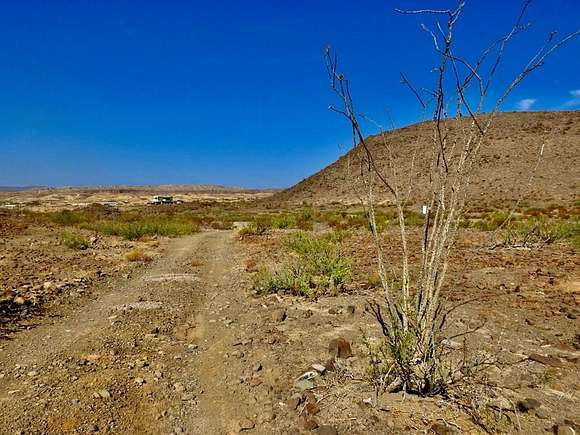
(575,100)
(525,104)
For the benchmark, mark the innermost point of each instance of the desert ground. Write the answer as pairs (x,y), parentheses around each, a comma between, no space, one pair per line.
(139,319)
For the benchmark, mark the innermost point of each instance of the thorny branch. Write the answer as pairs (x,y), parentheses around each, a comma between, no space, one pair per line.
(415,315)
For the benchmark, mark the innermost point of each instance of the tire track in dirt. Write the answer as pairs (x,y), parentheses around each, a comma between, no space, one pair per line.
(147,356)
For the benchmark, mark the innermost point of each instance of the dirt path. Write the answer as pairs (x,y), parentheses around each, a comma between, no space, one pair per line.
(155,353)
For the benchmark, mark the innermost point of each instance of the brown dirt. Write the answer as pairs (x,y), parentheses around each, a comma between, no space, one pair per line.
(502,174)
(182,345)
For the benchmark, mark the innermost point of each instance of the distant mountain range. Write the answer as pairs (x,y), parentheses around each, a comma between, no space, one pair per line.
(19,188)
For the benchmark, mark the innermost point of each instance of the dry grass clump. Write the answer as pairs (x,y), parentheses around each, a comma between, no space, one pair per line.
(138,255)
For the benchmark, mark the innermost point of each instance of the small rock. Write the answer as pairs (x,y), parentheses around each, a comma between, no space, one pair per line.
(104,394)
(294,401)
(528,404)
(32,373)
(238,353)
(444,429)
(279,315)
(340,348)
(563,429)
(257,367)
(319,368)
(312,408)
(245,424)
(451,344)
(139,381)
(19,300)
(546,360)
(309,423)
(179,387)
(255,382)
(542,413)
(326,429)
(141,364)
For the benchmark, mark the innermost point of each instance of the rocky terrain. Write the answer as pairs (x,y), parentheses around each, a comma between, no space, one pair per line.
(184,344)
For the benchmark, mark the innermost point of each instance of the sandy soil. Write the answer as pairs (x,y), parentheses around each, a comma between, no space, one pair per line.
(183,345)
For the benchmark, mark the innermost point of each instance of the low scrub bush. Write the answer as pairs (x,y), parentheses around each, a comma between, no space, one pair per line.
(315,266)
(257,228)
(283,221)
(137,229)
(537,232)
(67,217)
(74,241)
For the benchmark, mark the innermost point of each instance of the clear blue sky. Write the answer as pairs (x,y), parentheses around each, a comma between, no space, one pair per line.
(226,92)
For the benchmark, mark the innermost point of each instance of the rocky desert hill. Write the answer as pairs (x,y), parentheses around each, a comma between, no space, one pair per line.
(506,162)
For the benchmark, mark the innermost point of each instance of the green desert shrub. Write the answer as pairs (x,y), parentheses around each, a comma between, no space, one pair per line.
(283,221)
(536,232)
(67,217)
(256,228)
(137,229)
(315,266)
(74,241)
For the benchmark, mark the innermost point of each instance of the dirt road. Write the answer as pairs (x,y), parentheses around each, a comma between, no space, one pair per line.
(159,352)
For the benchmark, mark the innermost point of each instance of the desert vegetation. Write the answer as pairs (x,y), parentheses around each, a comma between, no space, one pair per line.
(414,314)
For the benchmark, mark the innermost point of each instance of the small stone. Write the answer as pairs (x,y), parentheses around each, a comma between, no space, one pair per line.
(340,348)
(309,424)
(267,417)
(279,315)
(238,353)
(104,394)
(294,401)
(19,300)
(546,360)
(178,386)
(257,367)
(326,429)
(528,404)
(564,429)
(312,408)
(93,428)
(255,382)
(542,413)
(32,373)
(444,429)
(319,368)
(245,424)
(139,381)
(141,364)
